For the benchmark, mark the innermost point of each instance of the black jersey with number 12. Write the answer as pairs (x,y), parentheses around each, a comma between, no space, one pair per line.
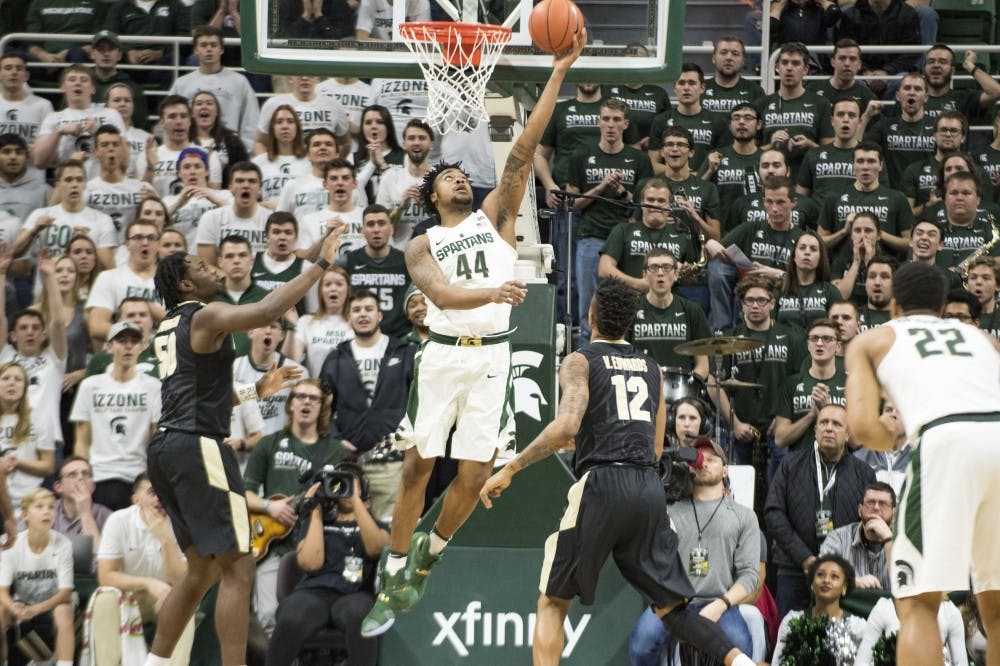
(619,425)
(196,389)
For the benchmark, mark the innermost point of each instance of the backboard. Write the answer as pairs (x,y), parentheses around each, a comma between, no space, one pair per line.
(277,40)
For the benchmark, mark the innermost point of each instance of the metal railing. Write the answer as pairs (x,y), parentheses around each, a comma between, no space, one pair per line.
(175,44)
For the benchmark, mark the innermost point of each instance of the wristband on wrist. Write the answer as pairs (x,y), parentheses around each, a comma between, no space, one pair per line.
(726,601)
(246,392)
(323,263)
(266,504)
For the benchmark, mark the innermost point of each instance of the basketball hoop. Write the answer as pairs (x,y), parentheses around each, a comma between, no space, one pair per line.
(457,60)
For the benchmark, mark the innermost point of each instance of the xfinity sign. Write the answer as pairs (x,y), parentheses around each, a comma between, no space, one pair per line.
(476,627)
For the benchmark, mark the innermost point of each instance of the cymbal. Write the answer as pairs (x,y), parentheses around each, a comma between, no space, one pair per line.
(737,384)
(726,344)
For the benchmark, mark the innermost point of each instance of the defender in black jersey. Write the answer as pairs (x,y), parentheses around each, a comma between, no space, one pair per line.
(193,473)
(612,405)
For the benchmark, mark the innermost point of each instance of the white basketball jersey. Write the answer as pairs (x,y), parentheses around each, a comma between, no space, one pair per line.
(938,367)
(472,255)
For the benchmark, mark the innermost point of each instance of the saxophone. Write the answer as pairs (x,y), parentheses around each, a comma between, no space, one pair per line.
(963,267)
(692,273)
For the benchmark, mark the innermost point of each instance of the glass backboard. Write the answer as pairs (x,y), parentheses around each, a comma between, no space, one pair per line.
(361,38)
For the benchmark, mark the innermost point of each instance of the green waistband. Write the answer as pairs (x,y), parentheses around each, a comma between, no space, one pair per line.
(469,340)
(954,418)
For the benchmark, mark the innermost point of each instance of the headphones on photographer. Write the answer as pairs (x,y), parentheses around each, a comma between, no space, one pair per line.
(703,411)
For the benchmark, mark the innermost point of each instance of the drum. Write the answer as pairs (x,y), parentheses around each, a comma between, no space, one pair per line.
(678,383)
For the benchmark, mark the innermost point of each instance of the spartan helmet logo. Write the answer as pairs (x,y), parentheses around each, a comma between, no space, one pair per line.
(904,573)
(118,426)
(528,396)
(404,106)
(286,169)
(11,114)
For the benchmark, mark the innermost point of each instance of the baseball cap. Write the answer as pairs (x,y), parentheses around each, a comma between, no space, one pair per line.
(707,443)
(122,327)
(106,35)
(192,150)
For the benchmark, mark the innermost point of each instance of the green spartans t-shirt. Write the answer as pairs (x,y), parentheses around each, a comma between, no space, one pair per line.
(643,103)
(859,92)
(795,401)
(269,280)
(736,176)
(807,114)
(869,318)
(805,215)
(959,242)
(702,194)
(629,242)
(708,129)
(991,323)
(810,302)
(781,356)
(388,279)
(828,171)
(903,143)
(573,124)
(763,244)
(988,160)
(657,331)
(890,206)
(588,168)
(919,180)
(277,462)
(965,100)
(721,100)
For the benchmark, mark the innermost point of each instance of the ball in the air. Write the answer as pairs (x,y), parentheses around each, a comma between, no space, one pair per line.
(553,24)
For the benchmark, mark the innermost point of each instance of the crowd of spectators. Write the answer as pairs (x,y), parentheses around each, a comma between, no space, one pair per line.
(780,217)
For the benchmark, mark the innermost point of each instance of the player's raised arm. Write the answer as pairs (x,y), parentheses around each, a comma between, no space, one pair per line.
(574,381)
(502,204)
(218,318)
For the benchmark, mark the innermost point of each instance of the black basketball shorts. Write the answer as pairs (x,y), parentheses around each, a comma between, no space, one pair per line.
(198,482)
(621,511)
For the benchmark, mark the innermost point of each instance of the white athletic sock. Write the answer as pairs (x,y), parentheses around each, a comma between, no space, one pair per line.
(394,564)
(437,543)
(743,660)
(64,662)
(153,660)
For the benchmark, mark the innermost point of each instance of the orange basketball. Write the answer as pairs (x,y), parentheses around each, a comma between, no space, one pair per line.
(553,23)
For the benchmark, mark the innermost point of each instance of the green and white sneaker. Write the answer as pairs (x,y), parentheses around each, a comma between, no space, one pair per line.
(395,596)
(419,562)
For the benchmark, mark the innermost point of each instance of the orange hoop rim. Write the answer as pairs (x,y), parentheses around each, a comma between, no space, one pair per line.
(445,32)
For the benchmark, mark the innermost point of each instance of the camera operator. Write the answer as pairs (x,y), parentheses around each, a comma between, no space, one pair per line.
(274,468)
(339,543)
(719,540)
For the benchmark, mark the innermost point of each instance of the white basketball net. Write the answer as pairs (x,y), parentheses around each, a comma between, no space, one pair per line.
(457,65)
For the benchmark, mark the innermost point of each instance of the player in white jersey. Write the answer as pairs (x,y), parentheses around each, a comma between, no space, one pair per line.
(465,268)
(942,376)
